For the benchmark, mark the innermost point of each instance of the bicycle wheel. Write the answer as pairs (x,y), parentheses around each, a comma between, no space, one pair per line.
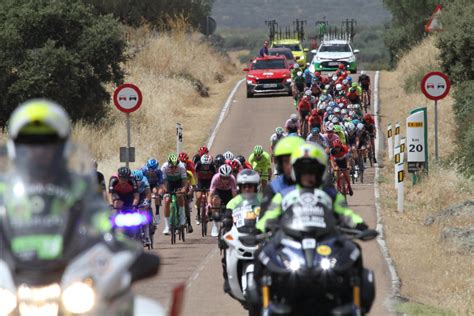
(361,168)
(371,157)
(173,234)
(183,233)
(203,219)
(173,222)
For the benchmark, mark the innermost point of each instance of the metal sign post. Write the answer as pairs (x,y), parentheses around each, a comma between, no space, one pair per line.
(435,86)
(179,137)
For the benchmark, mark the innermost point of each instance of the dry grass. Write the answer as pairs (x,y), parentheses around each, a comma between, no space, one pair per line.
(432,271)
(160,68)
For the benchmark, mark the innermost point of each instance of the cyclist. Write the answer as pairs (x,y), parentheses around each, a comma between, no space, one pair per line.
(191,184)
(244,163)
(144,192)
(235,166)
(184,158)
(309,164)
(352,139)
(330,136)
(295,70)
(205,170)
(314,120)
(308,78)
(223,189)
(175,180)
(261,162)
(219,161)
(353,94)
(339,131)
(279,134)
(101,189)
(282,153)
(299,84)
(155,178)
(364,81)
(229,156)
(369,125)
(340,162)
(316,137)
(292,124)
(201,151)
(304,107)
(123,189)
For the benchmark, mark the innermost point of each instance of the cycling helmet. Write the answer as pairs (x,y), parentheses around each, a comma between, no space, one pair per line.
(206,159)
(334,78)
(294,117)
(183,156)
(241,159)
(228,155)
(225,170)
(337,110)
(323,106)
(330,127)
(317,74)
(344,82)
(296,66)
(340,105)
(338,129)
(330,117)
(330,75)
(309,158)
(203,150)
(350,126)
(343,111)
(354,85)
(248,176)
(299,73)
(341,66)
(124,172)
(356,106)
(152,164)
(315,130)
(356,122)
(219,160)
(173,159)
(335,120)
(279,131)
(258,150)
(314,112)
(326,87)
(367,117)
(351,114)
(360,126)
(349,78)
(350,106)
(332,104)
(308,93)
(138,175)
(235,165)
(339,87)
(323,98)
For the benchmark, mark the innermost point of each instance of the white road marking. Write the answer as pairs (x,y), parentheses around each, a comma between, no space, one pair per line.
(223,113)
(381,241)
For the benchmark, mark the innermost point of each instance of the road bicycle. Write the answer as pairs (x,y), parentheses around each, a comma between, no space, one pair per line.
(204,209)
(365,100)
(341,181)
(175,217)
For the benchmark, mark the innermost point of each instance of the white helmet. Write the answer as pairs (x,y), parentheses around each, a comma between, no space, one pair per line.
(225,170)
(296,66)
(308,93)
(248,176)
(330,127)
(299,73)
(294,117)
(351,113)
(343,111)
(326,87)
(344,82)
(350,106)
(337,110)
(335,120)
(360,126)
(338,87)
(350,126)
(356,106)
(228,155)
(334,78)
(323,106)
(340,104)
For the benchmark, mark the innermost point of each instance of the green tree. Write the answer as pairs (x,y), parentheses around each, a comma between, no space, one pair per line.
(58,50)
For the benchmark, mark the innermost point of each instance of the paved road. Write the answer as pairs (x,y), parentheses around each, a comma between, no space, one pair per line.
(197,262)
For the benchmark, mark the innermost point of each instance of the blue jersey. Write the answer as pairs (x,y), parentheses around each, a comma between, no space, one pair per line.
(142,186)
(155,177)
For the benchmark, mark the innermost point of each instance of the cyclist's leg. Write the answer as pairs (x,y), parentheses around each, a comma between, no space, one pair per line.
(181,199)
(167,203)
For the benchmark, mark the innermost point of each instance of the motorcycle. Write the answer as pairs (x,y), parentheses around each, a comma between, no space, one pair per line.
(57,254)
(239,255)
(310,266)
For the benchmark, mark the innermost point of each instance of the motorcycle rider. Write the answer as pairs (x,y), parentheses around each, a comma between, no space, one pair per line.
(309,164)
(247,182)
(39,148)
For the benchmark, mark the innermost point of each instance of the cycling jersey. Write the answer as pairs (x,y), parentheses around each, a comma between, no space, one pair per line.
(225,190)
(351,139)
(204,174)
(340,157)
(190,166)
(304,105)
(174,177)
(314,121)
(262,165)
(364,81)
(331,137)
(274,139)
(123,191)
(196,158)
(292,126)
(142,189)
(154,177)
(318,139)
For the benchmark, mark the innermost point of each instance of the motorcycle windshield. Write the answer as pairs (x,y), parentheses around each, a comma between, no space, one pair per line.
(308,212)
(246,213)
(40,190)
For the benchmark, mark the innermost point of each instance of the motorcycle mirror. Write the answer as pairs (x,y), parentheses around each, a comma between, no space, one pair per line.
(368,234)
(146,265)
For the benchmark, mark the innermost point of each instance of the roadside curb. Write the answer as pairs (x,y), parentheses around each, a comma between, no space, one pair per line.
(395,280)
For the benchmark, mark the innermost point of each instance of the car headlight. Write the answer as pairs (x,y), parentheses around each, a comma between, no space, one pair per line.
(7,302)
(78,298)
(250,76)
(249,81)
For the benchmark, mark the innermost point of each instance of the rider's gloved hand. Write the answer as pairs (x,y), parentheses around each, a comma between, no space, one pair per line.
(361,226)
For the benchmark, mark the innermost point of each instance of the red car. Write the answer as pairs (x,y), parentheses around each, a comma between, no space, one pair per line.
(269,74)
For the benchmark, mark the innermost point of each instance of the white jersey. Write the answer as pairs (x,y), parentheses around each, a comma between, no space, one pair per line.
(274,139)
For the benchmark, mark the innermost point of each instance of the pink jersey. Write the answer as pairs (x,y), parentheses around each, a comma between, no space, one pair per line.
(217,184)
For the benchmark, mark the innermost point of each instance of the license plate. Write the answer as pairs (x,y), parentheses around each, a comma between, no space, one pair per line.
(333,63)
(270,85)
(309,243)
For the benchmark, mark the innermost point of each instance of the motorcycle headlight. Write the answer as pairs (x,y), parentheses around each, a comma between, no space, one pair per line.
(7,302)
(293,265)
(78,298)
(325,264)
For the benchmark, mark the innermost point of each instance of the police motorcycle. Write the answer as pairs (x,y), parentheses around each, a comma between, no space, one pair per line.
(239,255)
(310,266)
(135,223)
(56,254)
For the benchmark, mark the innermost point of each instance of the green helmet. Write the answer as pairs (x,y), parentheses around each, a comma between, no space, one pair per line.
(354,84)
(287,145)
(258,150)
(173,159)
(309,159)
(338,129)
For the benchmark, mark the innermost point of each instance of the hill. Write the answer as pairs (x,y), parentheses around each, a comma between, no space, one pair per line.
(253,13)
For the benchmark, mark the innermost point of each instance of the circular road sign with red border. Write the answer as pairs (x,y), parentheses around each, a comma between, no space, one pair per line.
(127,98)
(435,85)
